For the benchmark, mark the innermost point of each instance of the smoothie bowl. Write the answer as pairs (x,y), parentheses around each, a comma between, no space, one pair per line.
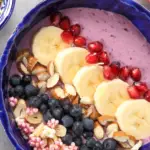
(74,75)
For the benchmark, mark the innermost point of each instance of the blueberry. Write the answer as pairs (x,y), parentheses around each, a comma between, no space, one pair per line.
(78,128)
(43,108)
(66,105)
(57,113)
(110,144)
(11,92)
(15,80)
(90,142)
(84,147)
(26,79)
(53,104)
(88,124)
(78,141)
(88,134)
(34,101)
(44,98)
(31,90)
(19,91)
(98,146)
(76,111)
(67,139)
(47,116)
(67,121)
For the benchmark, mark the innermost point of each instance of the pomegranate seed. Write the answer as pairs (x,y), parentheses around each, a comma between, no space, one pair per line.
(136,74)
(95,46)
(141,87)
(55,18)
(79,41)
(147,95)
(65,23)
(133,92)
(107,72)
(103,57)
(124,73)
(115,67)
(75,29)
(67,37)
(92,58)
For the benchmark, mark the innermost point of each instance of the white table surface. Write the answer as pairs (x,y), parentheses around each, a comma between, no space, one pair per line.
(21,8)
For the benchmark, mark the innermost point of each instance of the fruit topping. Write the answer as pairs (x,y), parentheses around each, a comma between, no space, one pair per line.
(110,144)
(79,41)
(67,37)
(141,87)
(67,121)
(88,124)
(98,146)
(84,147)
(35,102)
(75,29)
(19,91)
(31,90)
(26,79)
(44,98)
(95,46)
(11,92)
(67,139)
(55,18)
(13,101)
(65,23)
(43,108)
(136,74)
(124,73)
(66,105)
(78,128)
(32,61)
(147,95)
(104,58)
(90,143)
(47,116)
(76,111)
(98,131)
(88,134)
(92,58)
(57,113)
(53,80)
(108,73)
(15,80)
(78,141)
(60,130)
(133,92)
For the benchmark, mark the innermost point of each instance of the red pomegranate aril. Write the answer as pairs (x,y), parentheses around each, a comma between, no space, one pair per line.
(147,95)
(124,73)
(103,57)
(79,41)
(95,46)
(136,74)
(55,18)
(115,67)
(67,37)
(92,58)
(65,23)
(133,92)
(141,87)
(107,72)
(75,29)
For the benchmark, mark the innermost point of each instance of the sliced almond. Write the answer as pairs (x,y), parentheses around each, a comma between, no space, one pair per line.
(42,86)
(53,80)
(21,54)
(22,68)
(86,100)
(105,120)
(51,68)
(111,129)
(94,114)
(85,106)
(58,93)
(125,145)
(137,145)
(98,131)
(32,61)
(38,130)
(43,76)
(35,118)
(70,90)
(20,110)
(34,83)
(60,131)
(76,100)
(25,61)
(88,112)
(38,69)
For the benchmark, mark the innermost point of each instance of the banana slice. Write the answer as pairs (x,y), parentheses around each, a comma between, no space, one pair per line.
(47,43)
(69,61)
(86,81)
(133,118)
(109,95)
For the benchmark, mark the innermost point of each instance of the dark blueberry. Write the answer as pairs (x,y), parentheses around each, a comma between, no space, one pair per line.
(19,91)
(53,103)
(11,92)
(67,139)
(67,121)
(76,111)
(78,128)
(57,113)
(31,90)
(84,147)
(88,124)
(87,134)
(34,101)
(98,146)
(110,144)
(78,141)
(66,104)
(15,80)
(47,116)
(26,79)
(90,142)
(44,98)
(43,108)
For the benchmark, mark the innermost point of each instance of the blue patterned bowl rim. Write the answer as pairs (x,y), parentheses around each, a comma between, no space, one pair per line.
(3,62)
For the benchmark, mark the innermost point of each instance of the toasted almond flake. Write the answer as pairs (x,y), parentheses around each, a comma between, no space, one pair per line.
(88,112)
(60,130)
(38,69)
(22,68)
(105,119)
(32,61)
(70,90)
(43,76)
(111,129)
(53,80)
(25,61)
(42,86)
(76,100)
(34,83)
(137,145)
(51,68)
(21,54)
(98,131)
(94,114)
(38,130)
(125,145)
(86,100)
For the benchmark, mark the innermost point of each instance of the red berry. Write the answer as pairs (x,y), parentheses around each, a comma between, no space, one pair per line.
(55,18)
(133,92)
(107,72)
(92,58)
(124,73)
(95,46)
(75,29)
(103,57)
(141,87)
(147,95)
(67,37)
(79,41)
(65,23)
(136,74)
(115,67)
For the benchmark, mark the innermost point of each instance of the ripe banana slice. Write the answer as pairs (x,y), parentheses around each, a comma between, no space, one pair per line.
(47,43)
(87,79)
(134,118)
(69,61)
(109,95)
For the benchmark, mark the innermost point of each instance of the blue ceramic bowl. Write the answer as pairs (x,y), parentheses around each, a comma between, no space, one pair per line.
(139,16)
(6,10)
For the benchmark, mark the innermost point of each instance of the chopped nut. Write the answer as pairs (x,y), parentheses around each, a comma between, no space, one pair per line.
(94,114)
(51,68)
(111,128)
(42,86)
(98,131)
(137,145)
(43,76)
(32,61)
(53,80)
(22,68)
(75,100)
(38,69)
(21,54)
(86,100)
(105,120)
